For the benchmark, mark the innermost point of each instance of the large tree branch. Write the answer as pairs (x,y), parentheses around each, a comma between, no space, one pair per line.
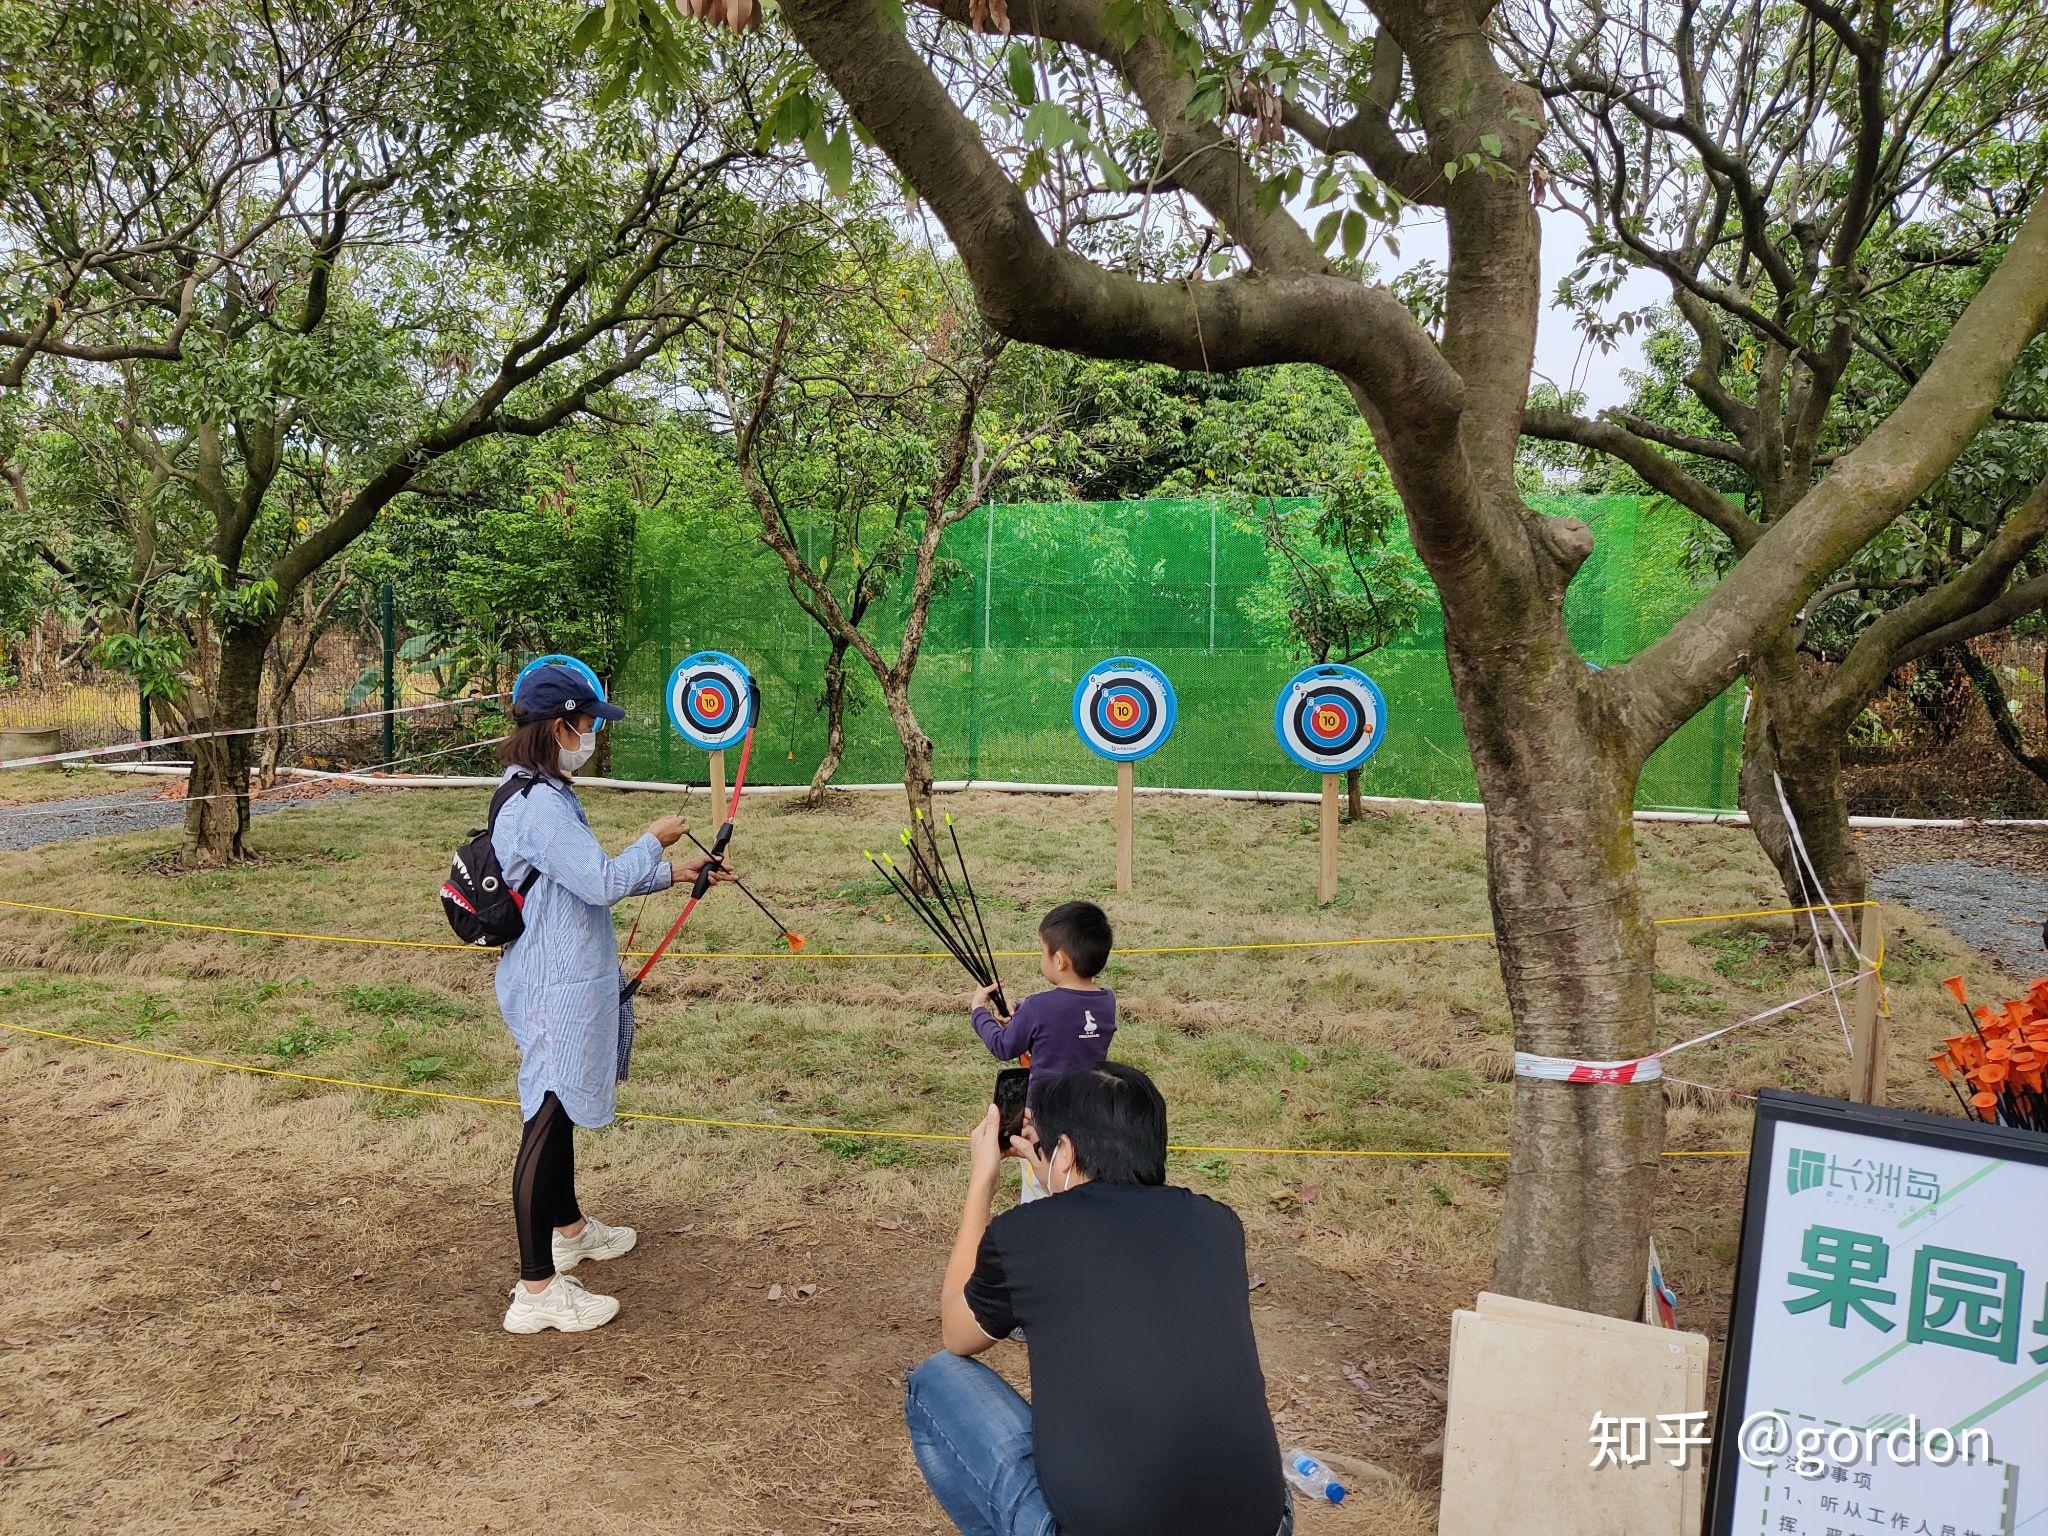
(2011,605)
(1865,489)
(1878,651)
(1662,476)
(1985,679)
(1032,291)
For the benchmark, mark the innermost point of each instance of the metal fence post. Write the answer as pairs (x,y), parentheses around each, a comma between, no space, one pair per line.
(1212,574)
(662,595)
(390,676)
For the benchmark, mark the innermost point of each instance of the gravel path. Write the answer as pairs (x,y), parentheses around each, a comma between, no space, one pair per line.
(63,821)
(1996,908)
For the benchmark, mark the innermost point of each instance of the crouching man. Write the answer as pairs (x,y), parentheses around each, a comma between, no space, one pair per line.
(1148,1408)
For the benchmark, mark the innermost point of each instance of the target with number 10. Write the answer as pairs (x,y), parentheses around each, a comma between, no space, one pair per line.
(1330,719)
(1124,709)
(711,700)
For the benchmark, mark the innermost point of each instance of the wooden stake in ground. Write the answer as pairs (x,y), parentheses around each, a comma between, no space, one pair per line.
(1126,832)
(1330,719)
(1124,709)
(1326,877)
(1870,1038)
(717,760)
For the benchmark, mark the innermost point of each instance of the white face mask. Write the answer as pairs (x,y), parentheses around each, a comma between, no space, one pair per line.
(575,757)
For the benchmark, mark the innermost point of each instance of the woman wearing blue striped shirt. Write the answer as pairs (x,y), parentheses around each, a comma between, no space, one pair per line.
(560,988)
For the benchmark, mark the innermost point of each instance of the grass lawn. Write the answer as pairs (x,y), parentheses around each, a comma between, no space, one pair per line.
(32,786)
(386,1211)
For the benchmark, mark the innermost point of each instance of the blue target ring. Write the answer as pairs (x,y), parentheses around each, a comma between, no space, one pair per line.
(711,700)
(1330,719)
(1124,709)
(557,659)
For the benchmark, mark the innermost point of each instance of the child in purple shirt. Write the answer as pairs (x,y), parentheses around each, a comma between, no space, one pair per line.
(1067,1028)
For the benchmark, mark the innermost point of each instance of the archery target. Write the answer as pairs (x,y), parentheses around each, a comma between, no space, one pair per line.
(557,659)
(1330,719)
(711,700)
(1124,709)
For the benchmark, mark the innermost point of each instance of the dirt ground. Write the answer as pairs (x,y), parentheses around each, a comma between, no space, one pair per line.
(322,1351)
(234,1304)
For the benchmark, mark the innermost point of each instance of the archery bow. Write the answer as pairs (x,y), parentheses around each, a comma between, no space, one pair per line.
(712,864)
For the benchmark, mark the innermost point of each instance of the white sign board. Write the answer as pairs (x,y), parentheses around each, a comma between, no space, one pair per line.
(1887,1367)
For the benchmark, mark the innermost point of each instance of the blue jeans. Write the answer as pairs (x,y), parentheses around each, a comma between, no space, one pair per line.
(972,1435)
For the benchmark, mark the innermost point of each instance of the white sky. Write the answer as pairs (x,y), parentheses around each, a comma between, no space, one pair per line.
(1563,356)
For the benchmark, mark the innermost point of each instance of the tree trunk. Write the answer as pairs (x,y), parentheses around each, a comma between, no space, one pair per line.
(1788,733)
(917,772)
(1984,677)
(217,803)
(1577,957)
(835,723)
(1354,791)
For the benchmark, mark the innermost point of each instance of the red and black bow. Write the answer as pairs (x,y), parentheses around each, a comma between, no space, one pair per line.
(714,861)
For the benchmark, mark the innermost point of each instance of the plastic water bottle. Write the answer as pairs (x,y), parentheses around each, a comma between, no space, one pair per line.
(1311,1477)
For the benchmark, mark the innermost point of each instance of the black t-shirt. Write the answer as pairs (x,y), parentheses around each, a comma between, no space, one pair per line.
(1148,1408)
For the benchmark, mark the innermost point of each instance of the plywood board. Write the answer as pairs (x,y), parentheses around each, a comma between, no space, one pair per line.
(1493,1304)
(1527,1382)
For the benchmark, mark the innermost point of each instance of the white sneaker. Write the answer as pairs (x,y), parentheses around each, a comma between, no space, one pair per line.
(595,1241)
(564,1305)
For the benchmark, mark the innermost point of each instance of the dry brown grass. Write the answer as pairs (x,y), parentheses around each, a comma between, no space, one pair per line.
(33,786)
(150,1203)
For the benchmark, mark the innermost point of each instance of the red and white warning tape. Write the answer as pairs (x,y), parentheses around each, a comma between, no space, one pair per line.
(1650,1068)
(83,753)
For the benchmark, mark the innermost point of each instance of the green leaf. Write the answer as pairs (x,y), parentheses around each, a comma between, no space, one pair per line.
(1490,142)
(1326,228)
(1255,20)
(1327,187)
(1333,28)
(1050,125)
(1124,21)
(1113,175)
(588,30)
(1354,234)
(1023,83)
(832,154)
(1450,170)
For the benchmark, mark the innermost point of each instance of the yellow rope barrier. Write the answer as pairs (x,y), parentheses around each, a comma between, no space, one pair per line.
(815,1130)
(908,954)
(746,1125)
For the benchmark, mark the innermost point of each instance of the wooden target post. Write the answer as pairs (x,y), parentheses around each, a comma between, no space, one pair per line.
(1329,719)
(1126,828)
(1326,872)
(1124,710)
(711,703)
(1870,1048)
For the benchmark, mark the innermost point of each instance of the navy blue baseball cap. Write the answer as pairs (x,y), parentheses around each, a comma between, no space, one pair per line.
(558,692)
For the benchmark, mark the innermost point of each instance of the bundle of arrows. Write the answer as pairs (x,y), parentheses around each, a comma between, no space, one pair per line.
(1999,1070)
(950,908)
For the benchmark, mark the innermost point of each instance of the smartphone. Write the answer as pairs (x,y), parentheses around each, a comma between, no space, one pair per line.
(1011,1083)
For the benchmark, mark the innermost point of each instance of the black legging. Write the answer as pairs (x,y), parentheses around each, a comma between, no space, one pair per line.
(544,1187)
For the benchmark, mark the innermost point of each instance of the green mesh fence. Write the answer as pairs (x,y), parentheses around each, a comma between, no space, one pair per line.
(1034,595)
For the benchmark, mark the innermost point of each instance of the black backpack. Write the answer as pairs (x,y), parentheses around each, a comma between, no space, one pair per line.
(481,908)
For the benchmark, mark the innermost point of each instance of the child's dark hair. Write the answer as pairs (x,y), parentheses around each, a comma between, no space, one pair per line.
(1080,931)
(1112,1114)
